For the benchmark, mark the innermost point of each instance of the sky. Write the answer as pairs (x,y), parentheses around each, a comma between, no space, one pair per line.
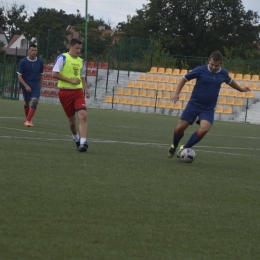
(112,11)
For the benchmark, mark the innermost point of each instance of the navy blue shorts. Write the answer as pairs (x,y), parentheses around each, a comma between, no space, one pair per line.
(27,96)
(191,112)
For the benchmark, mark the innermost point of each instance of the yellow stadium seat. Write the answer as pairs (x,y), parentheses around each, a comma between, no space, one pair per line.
(231,75)
(142,93)
(138,84)
(150,94)
(165,79)
(232,93)
(183,72)
(185,89)
(166,95)
(161,104)
(146,102)
(191,89)
(258,87)
(130,84)
(187,97)
(123,100)
(172,80)
(176,72)
(170,105)
(219,109)
(247,77)
(161,86)
(146,85)
(255,78)
(223,92)
(138,102)
(159,94)
(161,70)
(116,100)
(149,78)
(130,101)
(168,71)
(119,91)
(157,78)
(152,104)
(169,87)
(253,86)
(250,94)
(127,92)
(228,110)
(153,70)
(135,92)
(178,106)
(182,96)
(222,100)
(108,99)
(239,102)
(230,101)
(142,77)
(241,94)
(238,77)
(154,86)
(244,85)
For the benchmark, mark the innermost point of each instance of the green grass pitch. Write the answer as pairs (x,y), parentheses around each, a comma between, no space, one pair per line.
(125,199)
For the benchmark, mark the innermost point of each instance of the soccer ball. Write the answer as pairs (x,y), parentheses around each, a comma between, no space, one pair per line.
(187,155)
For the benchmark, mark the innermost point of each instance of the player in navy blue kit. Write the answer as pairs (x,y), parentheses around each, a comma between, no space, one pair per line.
(202,102)
(30,76)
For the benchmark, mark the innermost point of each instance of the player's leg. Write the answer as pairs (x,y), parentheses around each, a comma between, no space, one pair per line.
(35,95)
(26,107)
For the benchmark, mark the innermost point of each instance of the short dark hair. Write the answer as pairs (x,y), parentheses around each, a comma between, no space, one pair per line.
(216,56)
(74,41)
(32,45)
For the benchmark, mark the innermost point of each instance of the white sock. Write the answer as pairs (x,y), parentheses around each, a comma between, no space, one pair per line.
(83,140)
(76,137)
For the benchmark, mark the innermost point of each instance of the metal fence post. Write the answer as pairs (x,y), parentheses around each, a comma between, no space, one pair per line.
(246,109)
(113,97)
(130,58)
(119,59)
(108,69)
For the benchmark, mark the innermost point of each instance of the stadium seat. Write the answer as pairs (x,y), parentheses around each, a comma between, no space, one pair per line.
(46,68)
(138,102)
(119,91)
(150,94)
(165,79)
(258,87)
(168,71)
(183,72)
(89,72)
(244,85)
(238,77)
(99,65)
(222,100)
(104,65)
(116,100)
(176,72)
(142,77)
(232,93)
(123,100)
(182,96)
(44,83)
(184,106)
(149,78)
(231,75)
(135,92)
(255,78)
(154,86)
(169,87)
(161,104)
(91,64)
(130,101)
(161,70)
(187,98)
(146,102)
(142,93)
(185,89)
(130,84)
(50,67)
(53,93)
(253,86)
(241,94)
(239,102)
(108,99)
(152,104)
(230,101)
(172,80)
(224,92)
(178,106)
(250,94)
(45,92)
(146,85)
(93,72)
(138,84)
(247,77)
(191,89)
(228,110)
(157,79)
(127,92)
(219,109)
(159,94)
(166,95)
(224,85)
(170,105)
(161,86)
(153,70)
(50,84)
(48,76)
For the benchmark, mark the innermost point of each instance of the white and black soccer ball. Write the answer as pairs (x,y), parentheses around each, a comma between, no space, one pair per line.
(188,155)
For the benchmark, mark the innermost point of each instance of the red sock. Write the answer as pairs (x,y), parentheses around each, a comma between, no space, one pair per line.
(30,114)
(26,110)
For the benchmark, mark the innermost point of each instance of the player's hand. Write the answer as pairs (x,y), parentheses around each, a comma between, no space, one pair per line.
(175,98)
(87,94)
(75,81)
(28,89)
(245,89)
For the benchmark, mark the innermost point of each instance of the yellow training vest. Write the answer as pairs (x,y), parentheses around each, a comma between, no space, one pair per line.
(71,69)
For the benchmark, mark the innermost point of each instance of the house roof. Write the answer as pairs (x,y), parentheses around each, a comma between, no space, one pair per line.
(14,39)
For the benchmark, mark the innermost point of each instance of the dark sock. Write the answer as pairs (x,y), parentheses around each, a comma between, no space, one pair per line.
(26,110)
(176,139)
(195,138)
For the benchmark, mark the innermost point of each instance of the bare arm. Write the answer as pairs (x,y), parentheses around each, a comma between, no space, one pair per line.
(41,79)
(179,87)
(58,76)
(234,85)
(85,87)
(27,87)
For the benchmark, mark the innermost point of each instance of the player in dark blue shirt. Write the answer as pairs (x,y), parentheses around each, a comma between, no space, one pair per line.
(30,76)
(202,101)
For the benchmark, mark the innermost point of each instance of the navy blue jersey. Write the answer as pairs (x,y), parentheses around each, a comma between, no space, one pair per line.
(206,90)
(31,71)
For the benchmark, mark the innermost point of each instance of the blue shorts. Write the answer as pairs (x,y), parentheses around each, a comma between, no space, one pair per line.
(27,96)
(191,112)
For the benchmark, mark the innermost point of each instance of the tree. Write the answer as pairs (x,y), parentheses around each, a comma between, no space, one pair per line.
(195,27)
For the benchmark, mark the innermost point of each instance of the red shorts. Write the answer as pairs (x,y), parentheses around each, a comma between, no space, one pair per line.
(72,100)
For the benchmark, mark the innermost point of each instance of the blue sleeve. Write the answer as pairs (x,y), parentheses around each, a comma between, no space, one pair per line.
(192,75)
(21,67)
